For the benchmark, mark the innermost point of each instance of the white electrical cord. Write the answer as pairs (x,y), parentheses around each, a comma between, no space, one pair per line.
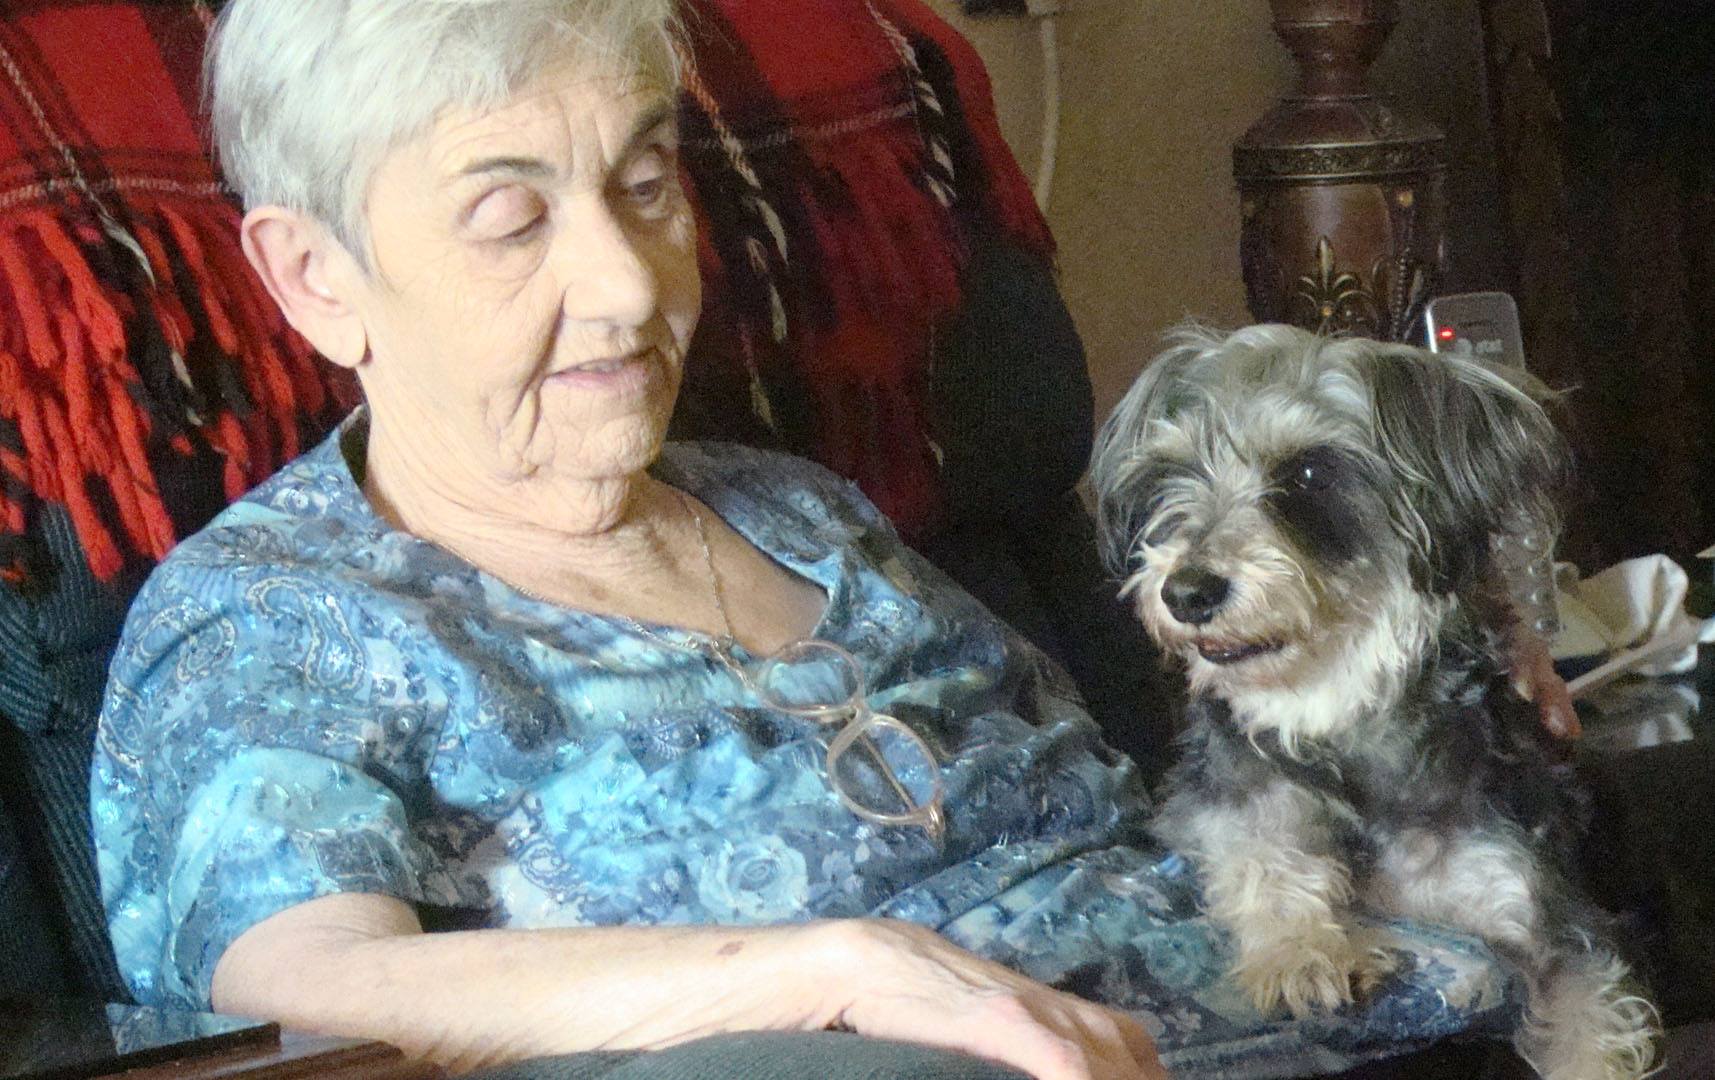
(1050,102)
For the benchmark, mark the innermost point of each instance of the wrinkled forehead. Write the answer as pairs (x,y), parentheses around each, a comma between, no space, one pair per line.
(579,106)
(1255,411)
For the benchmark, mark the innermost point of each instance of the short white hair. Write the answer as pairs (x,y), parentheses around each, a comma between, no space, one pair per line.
(308,96)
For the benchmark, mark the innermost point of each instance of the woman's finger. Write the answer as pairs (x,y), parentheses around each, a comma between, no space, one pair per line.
(1555,702)
(1140,1045)
(1054,1036)
(1123,1044)
(1549,692)
(1536,681)
(1017,1033)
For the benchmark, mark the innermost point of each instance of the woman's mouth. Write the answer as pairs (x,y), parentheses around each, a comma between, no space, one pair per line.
(615,374)
(603,367)
(1227,651)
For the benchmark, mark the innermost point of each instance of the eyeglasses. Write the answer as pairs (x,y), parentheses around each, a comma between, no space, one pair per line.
(881,770)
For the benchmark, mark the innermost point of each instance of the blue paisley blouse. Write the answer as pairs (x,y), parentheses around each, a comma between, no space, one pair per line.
(308,701)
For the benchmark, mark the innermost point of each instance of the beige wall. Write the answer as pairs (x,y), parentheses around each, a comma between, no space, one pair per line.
(1153,95)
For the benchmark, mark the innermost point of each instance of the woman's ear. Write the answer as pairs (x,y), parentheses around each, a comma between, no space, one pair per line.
(313,279)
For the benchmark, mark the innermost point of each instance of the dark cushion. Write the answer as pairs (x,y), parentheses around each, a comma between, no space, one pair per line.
(34,956)
(1014,417)
(56,644)
(1009,389)
(822,1055)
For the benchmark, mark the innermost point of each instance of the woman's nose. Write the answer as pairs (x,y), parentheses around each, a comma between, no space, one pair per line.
(608,275)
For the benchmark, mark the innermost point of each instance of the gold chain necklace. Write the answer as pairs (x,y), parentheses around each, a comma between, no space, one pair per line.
(723,646)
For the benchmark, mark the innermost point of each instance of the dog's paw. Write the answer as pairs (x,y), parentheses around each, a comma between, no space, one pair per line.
(1311,974)
(1586,1022)
(1373,968)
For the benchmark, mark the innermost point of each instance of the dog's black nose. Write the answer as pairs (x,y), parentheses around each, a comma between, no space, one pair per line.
(1193,594)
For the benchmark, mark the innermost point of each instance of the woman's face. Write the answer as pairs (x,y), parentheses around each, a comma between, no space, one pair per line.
(534,283)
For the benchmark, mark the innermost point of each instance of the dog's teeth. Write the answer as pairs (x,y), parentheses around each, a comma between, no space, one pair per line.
(1231,652)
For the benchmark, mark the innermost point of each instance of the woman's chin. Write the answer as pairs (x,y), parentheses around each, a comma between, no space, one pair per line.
(616,446)
(617,416)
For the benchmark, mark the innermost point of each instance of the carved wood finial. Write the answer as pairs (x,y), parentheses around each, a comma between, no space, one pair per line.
(1342,195)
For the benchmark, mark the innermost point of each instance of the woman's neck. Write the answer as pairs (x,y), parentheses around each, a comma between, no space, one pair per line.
(542,534)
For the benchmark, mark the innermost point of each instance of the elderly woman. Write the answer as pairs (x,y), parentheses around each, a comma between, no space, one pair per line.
(495,661)
(490,654)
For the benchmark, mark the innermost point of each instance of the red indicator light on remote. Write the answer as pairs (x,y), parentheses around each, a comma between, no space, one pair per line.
(1447,333)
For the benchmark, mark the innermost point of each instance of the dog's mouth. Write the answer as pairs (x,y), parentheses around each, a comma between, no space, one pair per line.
(1225,651)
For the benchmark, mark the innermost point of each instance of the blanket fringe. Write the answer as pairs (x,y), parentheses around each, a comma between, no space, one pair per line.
(1004,190)
(114,361)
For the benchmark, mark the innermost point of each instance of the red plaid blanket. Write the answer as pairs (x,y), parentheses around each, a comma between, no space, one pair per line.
(842,154)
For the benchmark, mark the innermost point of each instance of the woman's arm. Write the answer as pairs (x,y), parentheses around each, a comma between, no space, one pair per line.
(360,965)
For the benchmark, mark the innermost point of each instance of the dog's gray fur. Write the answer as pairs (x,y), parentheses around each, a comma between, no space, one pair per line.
(1305,523)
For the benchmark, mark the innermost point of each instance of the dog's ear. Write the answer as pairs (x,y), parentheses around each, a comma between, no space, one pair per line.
(1122,474)
(1474,453)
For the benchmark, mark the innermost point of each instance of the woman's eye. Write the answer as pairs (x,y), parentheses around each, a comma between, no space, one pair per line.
(648,183)
(647,192)
(509,214)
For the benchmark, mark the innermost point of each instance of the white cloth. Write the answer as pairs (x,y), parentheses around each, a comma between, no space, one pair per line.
(1627,606)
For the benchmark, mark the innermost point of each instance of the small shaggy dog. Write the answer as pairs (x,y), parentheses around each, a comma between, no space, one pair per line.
(1306,523)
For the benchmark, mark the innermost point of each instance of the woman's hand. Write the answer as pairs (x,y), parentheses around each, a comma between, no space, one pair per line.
(1536,680)
(909,983)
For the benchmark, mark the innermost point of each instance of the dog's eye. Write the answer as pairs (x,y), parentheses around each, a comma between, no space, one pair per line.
(1311,476)
(1313,470)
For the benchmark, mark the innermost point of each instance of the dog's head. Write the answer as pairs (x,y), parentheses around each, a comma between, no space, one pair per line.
(1288,509)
